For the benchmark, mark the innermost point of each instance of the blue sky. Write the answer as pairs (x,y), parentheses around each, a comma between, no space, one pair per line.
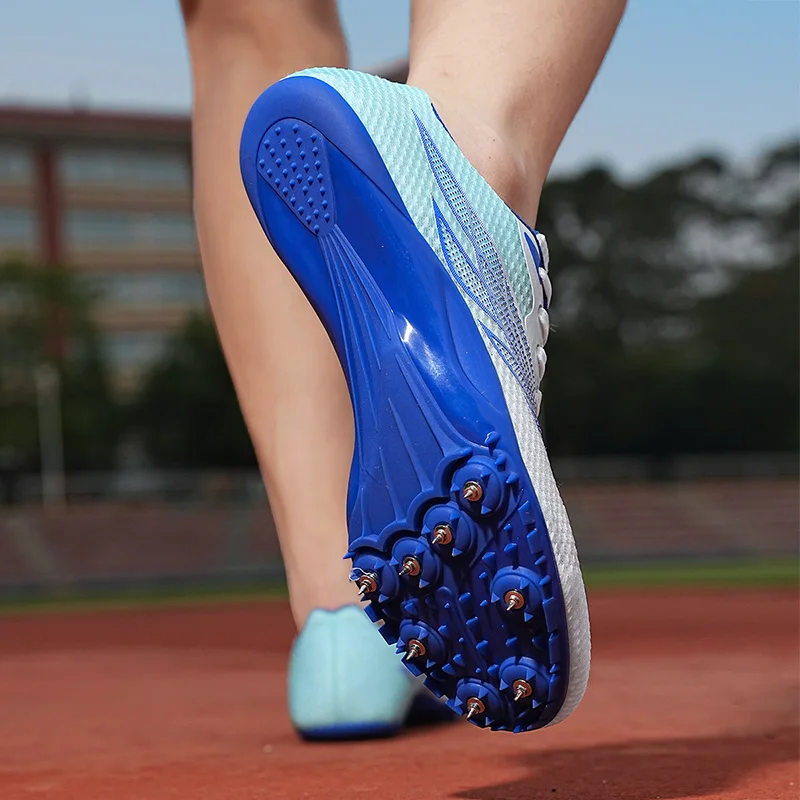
(683,76)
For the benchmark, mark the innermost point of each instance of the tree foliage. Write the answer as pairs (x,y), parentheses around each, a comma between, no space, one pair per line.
(45,318)
(187,412)
(676,309)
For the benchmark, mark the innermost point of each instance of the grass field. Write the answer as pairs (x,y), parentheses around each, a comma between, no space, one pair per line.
(732,573)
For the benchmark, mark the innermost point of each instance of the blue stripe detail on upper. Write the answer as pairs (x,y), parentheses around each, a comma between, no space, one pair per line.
(483,278)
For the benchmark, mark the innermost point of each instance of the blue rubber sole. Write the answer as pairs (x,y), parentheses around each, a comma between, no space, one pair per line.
(481,611)
(424,711)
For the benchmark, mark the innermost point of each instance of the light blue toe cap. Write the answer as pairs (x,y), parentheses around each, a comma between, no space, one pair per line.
(344,681)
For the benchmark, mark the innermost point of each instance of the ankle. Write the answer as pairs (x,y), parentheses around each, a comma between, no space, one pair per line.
(497,152)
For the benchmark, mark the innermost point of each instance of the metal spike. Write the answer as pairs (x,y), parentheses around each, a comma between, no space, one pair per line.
(444,535)
(472,491)
(410,567)
(414,650)
(522,689)
(367,583)
(474,706)
(514,599)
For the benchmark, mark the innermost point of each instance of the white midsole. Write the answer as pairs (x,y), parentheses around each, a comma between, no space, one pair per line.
(534,454)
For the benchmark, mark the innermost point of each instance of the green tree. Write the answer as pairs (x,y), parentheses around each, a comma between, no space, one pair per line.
(187,412)
(45,318)
(676,315)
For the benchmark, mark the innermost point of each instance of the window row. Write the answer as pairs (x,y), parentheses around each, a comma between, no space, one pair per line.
(87,230)
(101,167)
(19,229)
(134,349)
(147,289)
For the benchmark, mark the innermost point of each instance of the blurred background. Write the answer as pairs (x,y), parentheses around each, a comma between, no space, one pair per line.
(671,398)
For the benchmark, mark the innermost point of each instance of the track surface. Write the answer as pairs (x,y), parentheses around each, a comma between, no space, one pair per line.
(692,695)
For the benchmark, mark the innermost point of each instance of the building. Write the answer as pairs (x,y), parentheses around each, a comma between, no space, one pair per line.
(108,195)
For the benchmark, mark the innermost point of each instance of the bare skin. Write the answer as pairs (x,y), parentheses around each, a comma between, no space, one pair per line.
(507,79)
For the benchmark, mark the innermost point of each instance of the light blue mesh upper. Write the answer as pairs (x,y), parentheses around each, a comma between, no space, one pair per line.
(379,104)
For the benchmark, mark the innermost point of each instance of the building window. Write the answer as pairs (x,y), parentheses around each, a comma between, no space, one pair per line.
(124,168)
(16,165)
(18,229)
(148,289)
(138,231)
(135,349)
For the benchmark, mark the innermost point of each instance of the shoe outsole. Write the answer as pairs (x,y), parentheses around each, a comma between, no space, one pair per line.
(430,420)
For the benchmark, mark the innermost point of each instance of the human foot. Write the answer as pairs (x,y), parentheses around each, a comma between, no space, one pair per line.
(435,296)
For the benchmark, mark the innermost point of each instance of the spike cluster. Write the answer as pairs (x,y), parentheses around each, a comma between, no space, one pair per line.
(502,610)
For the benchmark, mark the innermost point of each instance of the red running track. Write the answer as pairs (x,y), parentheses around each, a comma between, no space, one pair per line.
(693,695)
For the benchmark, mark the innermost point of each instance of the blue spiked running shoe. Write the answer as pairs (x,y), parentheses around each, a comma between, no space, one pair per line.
(435,296)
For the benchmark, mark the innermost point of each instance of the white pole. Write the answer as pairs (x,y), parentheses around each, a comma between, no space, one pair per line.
(48,395)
